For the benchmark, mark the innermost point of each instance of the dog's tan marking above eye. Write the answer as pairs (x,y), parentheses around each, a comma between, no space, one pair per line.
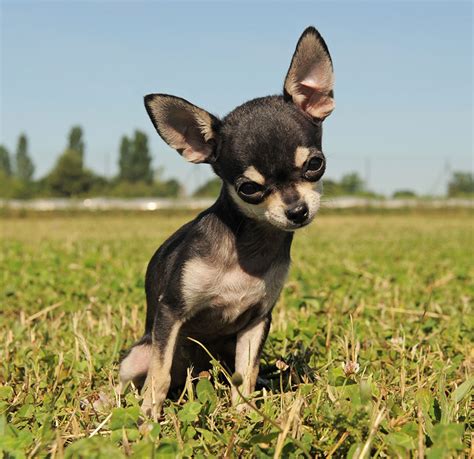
(301,155)
(252,174)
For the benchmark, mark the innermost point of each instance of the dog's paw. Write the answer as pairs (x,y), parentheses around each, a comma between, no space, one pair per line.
(100,402)
(150,408)
(151,411)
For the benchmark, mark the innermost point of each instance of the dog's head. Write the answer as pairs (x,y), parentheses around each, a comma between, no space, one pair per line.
(267,151)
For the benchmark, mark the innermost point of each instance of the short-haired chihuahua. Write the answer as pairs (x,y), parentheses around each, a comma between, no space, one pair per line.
(218,277)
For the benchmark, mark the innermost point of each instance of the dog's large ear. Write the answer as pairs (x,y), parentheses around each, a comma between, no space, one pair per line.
(188,129)
(310,78)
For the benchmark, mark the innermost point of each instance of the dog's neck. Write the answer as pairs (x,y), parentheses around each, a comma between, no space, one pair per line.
(258,244)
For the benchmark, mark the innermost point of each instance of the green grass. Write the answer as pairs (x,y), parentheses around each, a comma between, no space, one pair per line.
(370,351)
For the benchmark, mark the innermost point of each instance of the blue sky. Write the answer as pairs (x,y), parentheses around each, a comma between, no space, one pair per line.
(404,86)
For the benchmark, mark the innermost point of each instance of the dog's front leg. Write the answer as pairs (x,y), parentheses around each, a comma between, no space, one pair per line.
(249,348)
(157,383)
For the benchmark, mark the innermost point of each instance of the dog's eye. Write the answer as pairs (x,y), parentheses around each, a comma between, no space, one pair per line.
(315,164)
(314,168)
(249,188)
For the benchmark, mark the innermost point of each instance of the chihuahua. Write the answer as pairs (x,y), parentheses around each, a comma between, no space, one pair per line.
(217,279)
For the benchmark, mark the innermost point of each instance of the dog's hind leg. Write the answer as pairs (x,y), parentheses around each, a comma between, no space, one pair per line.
(134,366)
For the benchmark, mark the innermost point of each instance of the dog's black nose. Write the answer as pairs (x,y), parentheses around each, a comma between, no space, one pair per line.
(297,214)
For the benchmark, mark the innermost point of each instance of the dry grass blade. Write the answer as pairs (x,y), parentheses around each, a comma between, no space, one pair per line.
(44,311)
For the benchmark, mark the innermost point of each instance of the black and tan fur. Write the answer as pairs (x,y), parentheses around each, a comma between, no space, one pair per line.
(218,278)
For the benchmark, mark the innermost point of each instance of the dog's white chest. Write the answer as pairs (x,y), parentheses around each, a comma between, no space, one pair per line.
(230,289)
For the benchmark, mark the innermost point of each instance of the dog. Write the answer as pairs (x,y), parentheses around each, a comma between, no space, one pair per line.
(218,277)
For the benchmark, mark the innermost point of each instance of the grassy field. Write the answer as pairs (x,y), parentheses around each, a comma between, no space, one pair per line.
(370,351)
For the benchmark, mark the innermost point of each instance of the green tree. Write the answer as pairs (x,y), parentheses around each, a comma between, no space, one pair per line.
(140,169)
(75,140)
(135,159)
(24,165)
(5,164)
(461,184)
(210,189)
(401,194)
(167,189)
(125,158)
(68,177)
(12,187)
(352,184)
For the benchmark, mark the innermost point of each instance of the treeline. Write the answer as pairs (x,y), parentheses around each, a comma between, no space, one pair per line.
(69,177)
(461,184)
